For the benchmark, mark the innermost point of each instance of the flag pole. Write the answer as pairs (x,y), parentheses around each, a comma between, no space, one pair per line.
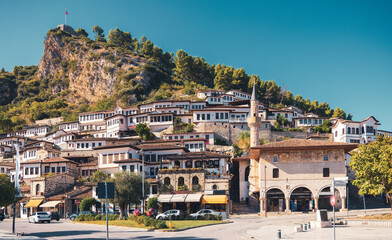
(65,17)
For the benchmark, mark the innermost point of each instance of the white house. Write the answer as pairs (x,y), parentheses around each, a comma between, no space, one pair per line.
(349,131)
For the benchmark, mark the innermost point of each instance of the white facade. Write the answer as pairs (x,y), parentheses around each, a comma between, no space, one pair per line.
(348,131)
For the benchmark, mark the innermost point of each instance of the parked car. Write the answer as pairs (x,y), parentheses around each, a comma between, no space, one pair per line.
(39,217)
(168,214)
(203,212)
(2,216)
(54,216)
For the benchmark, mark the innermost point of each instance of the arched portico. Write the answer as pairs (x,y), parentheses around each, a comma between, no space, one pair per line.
(324,196)
(276,201)
(301,199)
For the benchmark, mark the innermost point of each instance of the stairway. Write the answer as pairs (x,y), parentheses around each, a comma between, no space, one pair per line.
(244,208)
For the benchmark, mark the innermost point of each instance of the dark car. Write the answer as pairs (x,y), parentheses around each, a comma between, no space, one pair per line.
(1,216)
(54,216)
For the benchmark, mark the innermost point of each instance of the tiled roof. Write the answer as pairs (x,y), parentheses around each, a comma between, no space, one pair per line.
(160,147)
(302,143)
(173,140)
(50,160)
(197,155)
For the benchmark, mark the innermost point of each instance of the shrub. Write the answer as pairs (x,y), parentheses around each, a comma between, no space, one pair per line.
(98,217)
(133,217)
(80,218)
(160,224)
(112,217)
(148,221)
(89,217)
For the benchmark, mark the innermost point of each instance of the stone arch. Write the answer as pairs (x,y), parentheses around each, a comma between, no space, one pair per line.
(324,195)
(301,199)
(276,200)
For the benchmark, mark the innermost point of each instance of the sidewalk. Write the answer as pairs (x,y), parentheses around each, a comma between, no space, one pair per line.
(8,235)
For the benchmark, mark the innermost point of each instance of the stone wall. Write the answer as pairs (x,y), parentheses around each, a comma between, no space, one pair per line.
(230,132)
(50,185)
(175,175)
(49,121)
(220,184)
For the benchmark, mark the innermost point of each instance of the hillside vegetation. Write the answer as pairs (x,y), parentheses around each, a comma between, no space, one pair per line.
(78,74)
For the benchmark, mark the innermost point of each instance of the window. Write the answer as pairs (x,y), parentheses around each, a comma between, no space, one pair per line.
(247,174)
(208,116)
(275,158)
(348,130)
(325,157)
(217,115)
(132,167)
(188,164)
(203,117)
(214,187)
(124,168)
(152,171)
(166,181)
(275,173)
(195,180)
(37,189)
(325,172)
(180,181)
(63,169)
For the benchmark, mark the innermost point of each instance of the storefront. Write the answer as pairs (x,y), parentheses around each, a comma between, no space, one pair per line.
(217,203)
(51,206)
(33,206)
(193,202)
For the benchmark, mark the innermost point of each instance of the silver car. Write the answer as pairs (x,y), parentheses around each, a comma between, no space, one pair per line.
(169,214)
(203,212)
(39,217)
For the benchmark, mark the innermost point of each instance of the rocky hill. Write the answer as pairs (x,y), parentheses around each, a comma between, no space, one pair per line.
(86,68)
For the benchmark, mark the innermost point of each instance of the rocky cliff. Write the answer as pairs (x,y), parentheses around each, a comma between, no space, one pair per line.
(86,69)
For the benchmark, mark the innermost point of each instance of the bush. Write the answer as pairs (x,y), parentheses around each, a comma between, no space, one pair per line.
(89,217)
(80,218)
(148,221)
(133,217)
(160,224)
(112,217)
(98,217)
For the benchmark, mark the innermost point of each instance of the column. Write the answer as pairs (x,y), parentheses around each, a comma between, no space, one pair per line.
(288,205)
(343,209)
(188,207)
(262,207)
(316,205)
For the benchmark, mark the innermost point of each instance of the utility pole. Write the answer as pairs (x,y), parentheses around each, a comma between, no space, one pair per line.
(106,210)
(265,190)
(143,179)
(17,187)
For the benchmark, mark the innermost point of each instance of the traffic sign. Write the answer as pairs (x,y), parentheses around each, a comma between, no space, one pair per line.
(77,202)
(101,190)
(340,181)
(332,200)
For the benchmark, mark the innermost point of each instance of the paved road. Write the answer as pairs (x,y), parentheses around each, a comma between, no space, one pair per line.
(243,227)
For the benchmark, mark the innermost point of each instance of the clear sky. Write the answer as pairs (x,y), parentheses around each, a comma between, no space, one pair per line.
(334,51)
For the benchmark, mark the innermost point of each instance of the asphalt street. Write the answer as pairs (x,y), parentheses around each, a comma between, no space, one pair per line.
(243,227)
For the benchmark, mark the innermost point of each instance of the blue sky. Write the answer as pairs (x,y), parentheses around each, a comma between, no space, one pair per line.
(334,51)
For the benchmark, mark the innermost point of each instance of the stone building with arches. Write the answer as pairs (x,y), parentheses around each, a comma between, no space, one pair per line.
(296,174)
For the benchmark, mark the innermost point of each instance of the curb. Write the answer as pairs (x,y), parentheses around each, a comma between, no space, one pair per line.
(159,230)
(179,230)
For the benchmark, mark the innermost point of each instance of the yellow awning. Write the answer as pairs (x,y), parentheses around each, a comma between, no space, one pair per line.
(33,203)
(214,199)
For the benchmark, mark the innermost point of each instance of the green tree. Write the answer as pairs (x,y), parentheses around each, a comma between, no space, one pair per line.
(339,113)
(98,32)
(373,167)
(87,203)
(237,150)
(349,117)
(152,203)
(81,32)
(325,127)
(99,176)
(147,48)
(7,191)
(120,38)
(144,131)
(128,190)
(244,140)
